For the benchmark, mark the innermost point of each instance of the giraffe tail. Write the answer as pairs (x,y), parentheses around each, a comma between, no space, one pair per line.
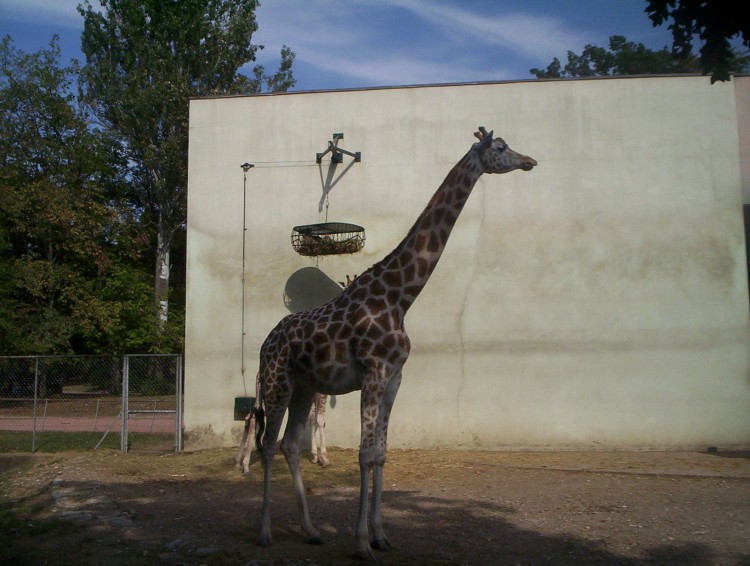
(260,425)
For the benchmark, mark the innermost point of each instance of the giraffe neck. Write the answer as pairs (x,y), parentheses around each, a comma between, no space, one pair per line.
(405,271)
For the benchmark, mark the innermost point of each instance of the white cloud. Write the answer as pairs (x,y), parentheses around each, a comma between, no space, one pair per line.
(301,24)
(389,70)
(350,41)
(533,35)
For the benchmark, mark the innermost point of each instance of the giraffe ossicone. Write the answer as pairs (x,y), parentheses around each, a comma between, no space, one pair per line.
(357,341)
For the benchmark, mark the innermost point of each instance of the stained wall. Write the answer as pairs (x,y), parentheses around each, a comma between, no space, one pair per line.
(598,301)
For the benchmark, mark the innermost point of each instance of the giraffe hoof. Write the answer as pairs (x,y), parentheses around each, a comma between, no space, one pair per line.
(264,541)
(316,540)
(324,462)
(364,556)
(382,544)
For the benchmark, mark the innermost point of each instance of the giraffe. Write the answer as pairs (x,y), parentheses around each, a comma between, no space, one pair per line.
(316,417)
(317,420)
(249,432)
(357,341)
(246,443)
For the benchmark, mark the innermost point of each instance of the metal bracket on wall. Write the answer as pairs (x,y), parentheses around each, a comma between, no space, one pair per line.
(337,153)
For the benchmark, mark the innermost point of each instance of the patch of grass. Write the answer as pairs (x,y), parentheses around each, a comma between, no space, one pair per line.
(52,441)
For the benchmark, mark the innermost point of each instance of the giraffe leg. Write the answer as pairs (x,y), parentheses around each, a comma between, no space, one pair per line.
(245,432)
(323,461)
(380,541)
(249,445)
(298,412)
(311,419)
(321,420)
(250,422)
(248,435)
(363,536)
(372,391)
(274,416)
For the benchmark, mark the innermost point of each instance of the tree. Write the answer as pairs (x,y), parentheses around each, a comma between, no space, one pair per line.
(64,241)
(144,60)
(715,22)
(623,58)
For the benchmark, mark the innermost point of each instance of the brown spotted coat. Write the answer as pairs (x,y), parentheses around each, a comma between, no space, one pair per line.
(358,342)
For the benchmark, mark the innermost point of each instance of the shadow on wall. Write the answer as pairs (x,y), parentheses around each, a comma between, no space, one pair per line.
(308,288)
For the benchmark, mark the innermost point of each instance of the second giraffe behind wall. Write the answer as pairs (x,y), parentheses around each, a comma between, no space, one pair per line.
(316,419)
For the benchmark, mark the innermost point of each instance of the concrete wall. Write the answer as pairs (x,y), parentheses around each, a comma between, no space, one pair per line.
(598,301)
(742,100)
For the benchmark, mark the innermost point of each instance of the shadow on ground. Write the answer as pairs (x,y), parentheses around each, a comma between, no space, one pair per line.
(216,522)
(439,508)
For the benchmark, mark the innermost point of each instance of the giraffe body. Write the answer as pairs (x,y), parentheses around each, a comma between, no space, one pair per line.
(358,342)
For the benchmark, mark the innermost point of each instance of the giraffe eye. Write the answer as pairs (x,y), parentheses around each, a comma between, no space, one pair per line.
(500,145)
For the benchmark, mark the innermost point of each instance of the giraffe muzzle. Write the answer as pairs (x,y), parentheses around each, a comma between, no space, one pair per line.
(528,164)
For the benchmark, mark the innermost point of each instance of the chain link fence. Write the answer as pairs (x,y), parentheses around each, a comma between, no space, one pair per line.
(52,403)
(152,403)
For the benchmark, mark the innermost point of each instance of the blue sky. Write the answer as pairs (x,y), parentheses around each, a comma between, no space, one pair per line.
(366,43)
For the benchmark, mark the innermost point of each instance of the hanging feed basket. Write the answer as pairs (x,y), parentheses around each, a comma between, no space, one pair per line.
(328,238)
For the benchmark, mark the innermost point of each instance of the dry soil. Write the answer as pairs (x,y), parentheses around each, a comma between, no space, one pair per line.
(629,508)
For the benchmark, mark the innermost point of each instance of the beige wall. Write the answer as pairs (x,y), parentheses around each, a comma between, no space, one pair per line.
(597,301)
(742,97)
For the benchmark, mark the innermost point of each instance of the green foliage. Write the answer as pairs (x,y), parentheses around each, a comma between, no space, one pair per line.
(715,22)
(71,276)
(54,212)
(622,58)
(93,187)
(144,60)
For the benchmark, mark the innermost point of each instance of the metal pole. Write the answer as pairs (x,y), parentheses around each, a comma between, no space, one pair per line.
(245,168)
(153,417)
(96,414)
(124,409)
(178,408)
(36,385)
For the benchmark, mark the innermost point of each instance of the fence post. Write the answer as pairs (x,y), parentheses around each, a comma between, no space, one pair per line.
(124,410)
(178,408)
(96,414)
(44,416)
(36,385)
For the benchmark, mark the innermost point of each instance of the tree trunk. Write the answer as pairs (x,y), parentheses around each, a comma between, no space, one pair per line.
(161,280)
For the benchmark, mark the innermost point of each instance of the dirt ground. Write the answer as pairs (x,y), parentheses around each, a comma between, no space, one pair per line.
(106,507)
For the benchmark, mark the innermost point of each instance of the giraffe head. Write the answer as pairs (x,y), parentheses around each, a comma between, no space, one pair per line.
(497,157)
